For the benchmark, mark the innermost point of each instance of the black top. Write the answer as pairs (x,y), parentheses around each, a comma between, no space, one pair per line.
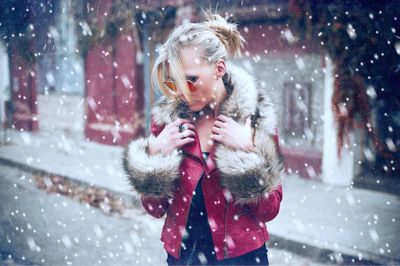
(198,230)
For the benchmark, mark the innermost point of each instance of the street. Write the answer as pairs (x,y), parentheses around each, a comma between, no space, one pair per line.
(51,229)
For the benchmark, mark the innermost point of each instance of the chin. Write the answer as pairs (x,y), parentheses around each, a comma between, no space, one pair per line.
(195,108)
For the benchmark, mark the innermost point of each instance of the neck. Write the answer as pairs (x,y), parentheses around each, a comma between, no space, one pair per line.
(214,107)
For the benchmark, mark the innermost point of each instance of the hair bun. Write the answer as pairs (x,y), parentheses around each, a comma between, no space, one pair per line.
(227,32)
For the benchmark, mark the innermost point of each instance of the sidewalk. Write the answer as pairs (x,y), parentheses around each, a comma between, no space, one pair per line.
(316,219)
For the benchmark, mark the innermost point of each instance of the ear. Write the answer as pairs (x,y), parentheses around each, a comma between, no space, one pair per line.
(220,68)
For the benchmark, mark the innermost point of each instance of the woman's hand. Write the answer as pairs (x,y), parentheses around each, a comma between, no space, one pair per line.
(230,133)
(171,138)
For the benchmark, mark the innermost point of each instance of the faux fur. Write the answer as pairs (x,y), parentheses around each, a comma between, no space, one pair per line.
(248,175)
(152,175)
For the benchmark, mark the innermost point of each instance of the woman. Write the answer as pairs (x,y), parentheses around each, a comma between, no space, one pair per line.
(212,162)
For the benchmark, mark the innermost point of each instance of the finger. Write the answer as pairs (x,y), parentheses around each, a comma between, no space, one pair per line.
(179,121)
(186,133)
(223,118)
(174,123)
(219,124)
(248,122)
(185,126)
(216,137)
(189,126)
(217,130)
(185,141)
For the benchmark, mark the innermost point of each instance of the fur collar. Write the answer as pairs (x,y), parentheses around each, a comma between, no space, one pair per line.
(249,176)
(246,98)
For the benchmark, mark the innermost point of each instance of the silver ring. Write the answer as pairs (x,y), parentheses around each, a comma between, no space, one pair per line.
(182,127)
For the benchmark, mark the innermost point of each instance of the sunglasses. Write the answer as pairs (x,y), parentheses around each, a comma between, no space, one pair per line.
(173,87)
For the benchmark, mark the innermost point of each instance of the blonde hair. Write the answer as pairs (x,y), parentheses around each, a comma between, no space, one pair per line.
(215,39)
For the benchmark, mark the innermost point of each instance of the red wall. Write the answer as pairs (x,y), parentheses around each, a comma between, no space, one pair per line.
(24,92)
(264,37)
(114,94)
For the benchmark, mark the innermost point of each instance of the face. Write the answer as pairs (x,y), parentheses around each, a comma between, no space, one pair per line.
(206,77)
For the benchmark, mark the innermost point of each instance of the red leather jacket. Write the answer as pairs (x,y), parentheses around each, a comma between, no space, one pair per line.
(236,228)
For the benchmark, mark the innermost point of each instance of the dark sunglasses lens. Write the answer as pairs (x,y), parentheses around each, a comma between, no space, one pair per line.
(191,86)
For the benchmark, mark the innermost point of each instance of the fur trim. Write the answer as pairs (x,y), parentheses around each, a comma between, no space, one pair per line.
(167,110)
(151,175)
(248,175)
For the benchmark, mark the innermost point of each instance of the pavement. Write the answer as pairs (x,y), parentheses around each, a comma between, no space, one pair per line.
(42,227)
(343,225)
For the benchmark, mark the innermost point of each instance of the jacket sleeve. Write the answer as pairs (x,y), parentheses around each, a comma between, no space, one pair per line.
(267,208)
(155,206)
(151,175)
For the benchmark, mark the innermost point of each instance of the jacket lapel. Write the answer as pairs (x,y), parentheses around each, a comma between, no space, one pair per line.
(194,149)
(211,160)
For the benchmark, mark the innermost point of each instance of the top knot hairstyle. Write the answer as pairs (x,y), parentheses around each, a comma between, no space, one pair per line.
(227,32)
(214,39)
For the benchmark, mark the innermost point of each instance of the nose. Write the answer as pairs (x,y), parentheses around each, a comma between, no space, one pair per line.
(179,92)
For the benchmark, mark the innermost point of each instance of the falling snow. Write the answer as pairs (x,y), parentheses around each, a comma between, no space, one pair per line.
(71,204)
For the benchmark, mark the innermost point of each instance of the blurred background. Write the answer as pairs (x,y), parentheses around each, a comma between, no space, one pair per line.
(75,89)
